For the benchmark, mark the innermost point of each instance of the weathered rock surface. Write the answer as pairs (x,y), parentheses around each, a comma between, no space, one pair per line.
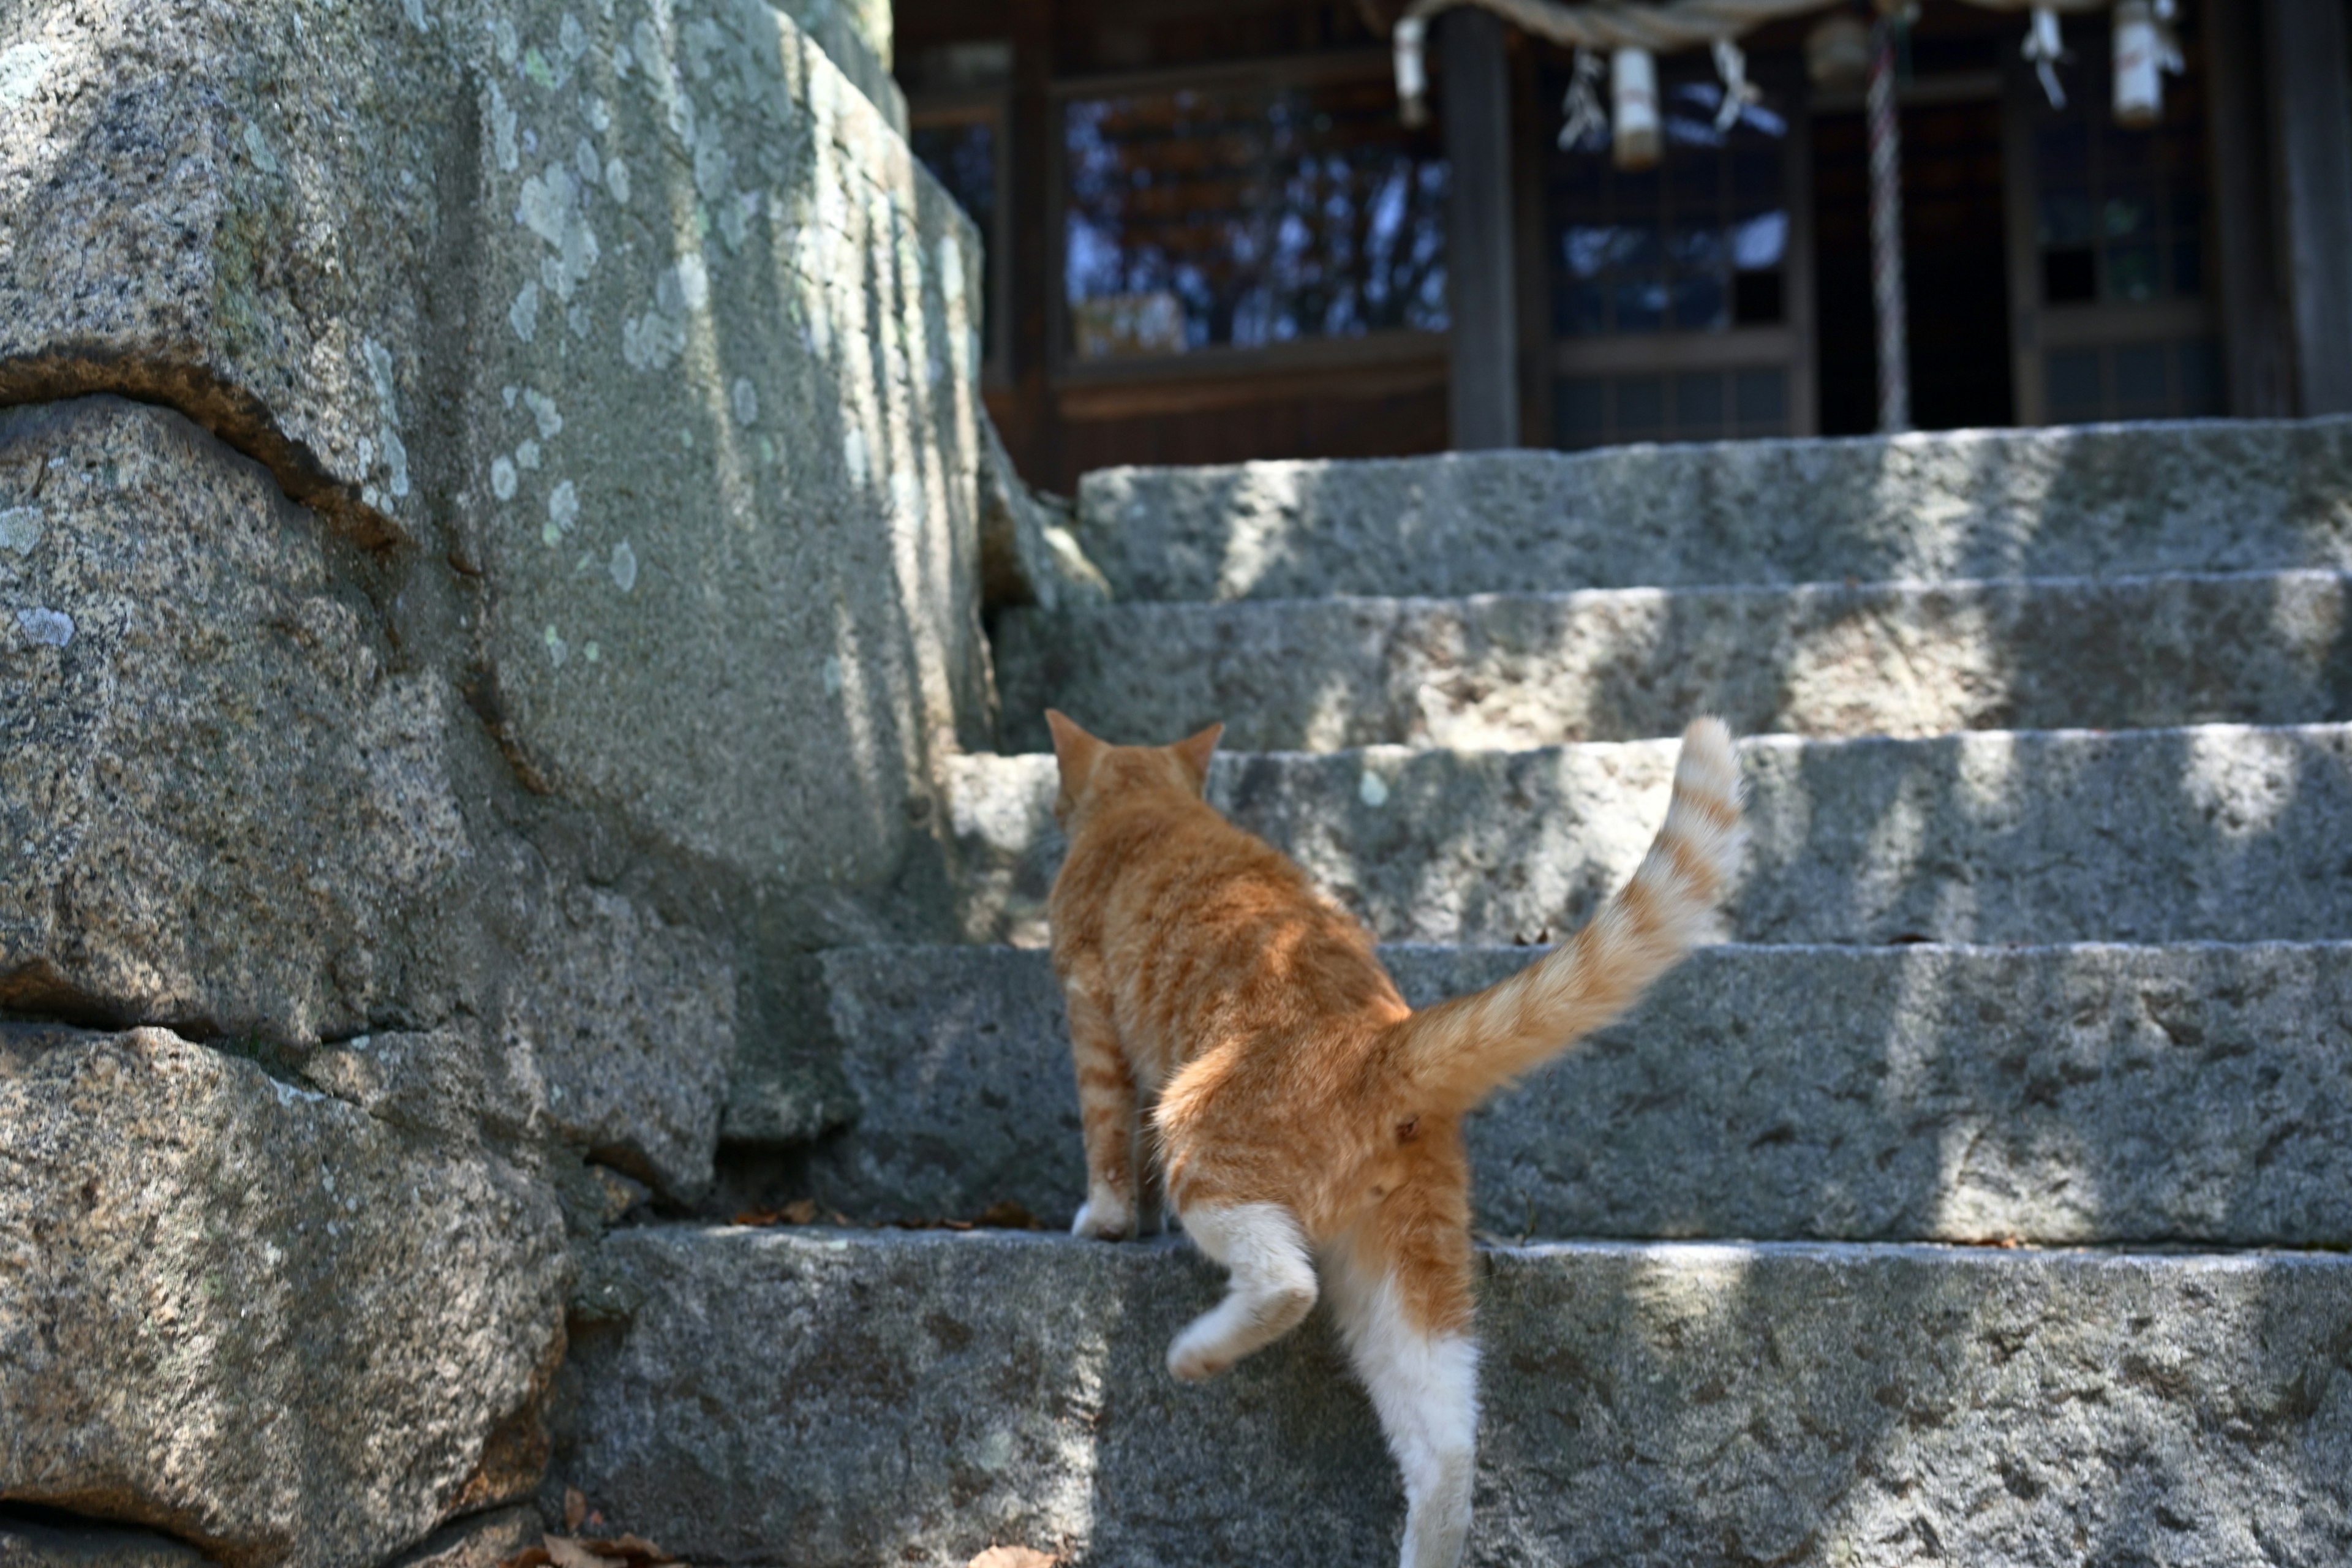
(234,802)
(192,1254)
(206,206)
(2100,501)
(856,37)
(483,1541)
(714,442)
(2194,1094)
(1623,664)
(635,1053)
(25,1544)
(479,253)
(855,1397)
(221,799)
(2214,833)
(1027,554)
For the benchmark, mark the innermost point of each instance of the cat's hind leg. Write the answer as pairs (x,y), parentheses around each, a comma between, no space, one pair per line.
(1400,1295)
(1107,1117)
(1271,1292)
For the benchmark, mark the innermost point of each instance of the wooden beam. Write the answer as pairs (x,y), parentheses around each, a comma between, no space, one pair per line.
(1480,279)
(2311,124)
(2246,273)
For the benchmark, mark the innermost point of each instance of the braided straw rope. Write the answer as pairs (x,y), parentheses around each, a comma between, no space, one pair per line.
(1675,25)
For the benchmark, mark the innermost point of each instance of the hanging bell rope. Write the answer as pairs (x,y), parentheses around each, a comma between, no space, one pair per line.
(1635,142)
(2047,51)
(1888,298)
(2145,49)
(1739,92)
(1582,118)
(1411,75)
(1609,26)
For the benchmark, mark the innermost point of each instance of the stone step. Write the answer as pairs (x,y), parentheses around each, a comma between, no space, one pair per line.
(2196,1094)
(2212,833)
(1536,669)
(818,1398)
(2109,500)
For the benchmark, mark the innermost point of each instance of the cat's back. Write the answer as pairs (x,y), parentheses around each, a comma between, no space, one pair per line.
(1207,932)
(1161,867)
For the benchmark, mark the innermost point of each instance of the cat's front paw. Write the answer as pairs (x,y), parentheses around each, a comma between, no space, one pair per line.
(1198,1355)
(1106,1217)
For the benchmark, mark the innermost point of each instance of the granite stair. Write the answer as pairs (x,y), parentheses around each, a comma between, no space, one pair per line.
(1985,1200)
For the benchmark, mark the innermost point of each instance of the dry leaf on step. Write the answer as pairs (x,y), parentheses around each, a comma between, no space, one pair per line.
(1013,1557)
(575,1509)
(566,1553)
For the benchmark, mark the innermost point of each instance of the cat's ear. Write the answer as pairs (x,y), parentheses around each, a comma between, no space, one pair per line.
(1074,749)
(1195,751)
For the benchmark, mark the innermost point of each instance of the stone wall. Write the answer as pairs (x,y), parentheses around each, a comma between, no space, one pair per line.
(489,584)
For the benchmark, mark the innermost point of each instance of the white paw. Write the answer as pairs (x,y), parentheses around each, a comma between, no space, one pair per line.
(1105,1218)
(1195,1357)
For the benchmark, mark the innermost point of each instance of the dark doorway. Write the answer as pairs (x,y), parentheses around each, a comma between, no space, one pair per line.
(1955,267)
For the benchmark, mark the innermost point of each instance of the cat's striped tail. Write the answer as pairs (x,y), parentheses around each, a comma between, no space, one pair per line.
(1459,1052)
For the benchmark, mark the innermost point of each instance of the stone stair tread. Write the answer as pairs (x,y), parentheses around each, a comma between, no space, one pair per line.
(2085,1093)
(819,1398)
(2087,501)
(2221,832)
(1834,658)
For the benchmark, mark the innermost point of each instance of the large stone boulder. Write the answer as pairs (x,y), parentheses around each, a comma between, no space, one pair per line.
(488,540)
(641,322)
(223,798)
(283,1326)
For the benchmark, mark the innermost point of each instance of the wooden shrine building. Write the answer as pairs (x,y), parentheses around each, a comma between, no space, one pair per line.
(1213,236)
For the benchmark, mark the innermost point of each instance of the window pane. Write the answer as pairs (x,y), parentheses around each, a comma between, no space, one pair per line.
(1580,412)
(1698,406)
(2135,197)
(2064,218)
(2073,385)
(1641,407)
(2129,210)
(1699,303)
(2062,148)
(1762,398)
(1248,214)
(1759,242)
(1588,249)
(2201,380)
(2142,391)
(1583,308)
(2131,272)
(1755,176)
(2188,269)
(2069,277)
(1641,304)
(1666,244)
(1698,244)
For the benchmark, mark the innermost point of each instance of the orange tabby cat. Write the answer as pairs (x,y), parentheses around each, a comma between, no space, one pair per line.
(1305,1118)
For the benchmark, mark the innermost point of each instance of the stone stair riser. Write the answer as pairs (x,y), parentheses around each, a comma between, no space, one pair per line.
(2193,1094)
(1628,664)
(818,1398)
(2111,501)
(2215,832)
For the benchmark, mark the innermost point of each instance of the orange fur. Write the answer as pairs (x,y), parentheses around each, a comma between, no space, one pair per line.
(1208,982)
